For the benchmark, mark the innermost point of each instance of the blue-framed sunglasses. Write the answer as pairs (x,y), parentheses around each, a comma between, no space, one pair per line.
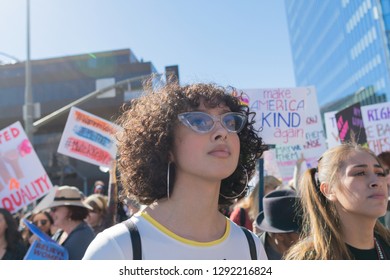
(201,122)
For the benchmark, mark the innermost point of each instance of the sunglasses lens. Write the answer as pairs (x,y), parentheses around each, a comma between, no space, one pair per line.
(42,222)
(198,121)
(233,122)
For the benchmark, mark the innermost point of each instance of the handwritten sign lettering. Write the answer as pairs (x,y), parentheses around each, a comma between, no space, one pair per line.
(376,120)
(23,179)
(280,114)
(89,138)
(295,128)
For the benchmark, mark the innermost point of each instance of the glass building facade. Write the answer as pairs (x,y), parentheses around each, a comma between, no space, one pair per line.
(342,48)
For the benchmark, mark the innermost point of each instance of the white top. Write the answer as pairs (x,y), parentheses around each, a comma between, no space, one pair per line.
(159,243)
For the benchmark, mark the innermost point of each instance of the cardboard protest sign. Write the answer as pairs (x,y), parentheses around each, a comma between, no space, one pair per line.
(89,138)
(23,179)
(44,248)
(312,146)
(280,114)
(350,125)
(376,120)
(332,133)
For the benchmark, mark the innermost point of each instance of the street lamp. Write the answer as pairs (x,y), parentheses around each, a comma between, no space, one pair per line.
(28,109)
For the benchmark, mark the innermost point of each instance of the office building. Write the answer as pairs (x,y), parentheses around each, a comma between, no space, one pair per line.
(56,82)
(341,48)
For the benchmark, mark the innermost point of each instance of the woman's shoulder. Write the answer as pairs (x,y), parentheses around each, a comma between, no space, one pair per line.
(17,252)
(112,243)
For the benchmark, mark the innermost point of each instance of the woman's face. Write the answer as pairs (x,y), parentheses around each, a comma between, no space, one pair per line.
(363,189)
(93,218)
(60,216)
(42,222)
(3,225)
(212,156)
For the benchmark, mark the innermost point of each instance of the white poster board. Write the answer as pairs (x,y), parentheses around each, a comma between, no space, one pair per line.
(332,133)
(280,114)
(23,179)
(286,152)
(376,119)
(89,138)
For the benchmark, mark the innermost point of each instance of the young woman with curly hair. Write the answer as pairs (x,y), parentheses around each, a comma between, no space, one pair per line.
(184,151)
(342,200)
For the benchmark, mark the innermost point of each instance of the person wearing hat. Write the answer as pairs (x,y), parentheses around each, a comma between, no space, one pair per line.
(68,212)
(97,217)
(279,222)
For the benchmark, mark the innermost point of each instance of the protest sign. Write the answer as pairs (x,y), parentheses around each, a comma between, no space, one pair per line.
(280,114)
(313,145)
(89,138)
(44,248)
(332,133)
(23,179)
(350,125)
(376,120)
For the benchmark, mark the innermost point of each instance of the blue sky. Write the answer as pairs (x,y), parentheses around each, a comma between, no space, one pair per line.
(239,43)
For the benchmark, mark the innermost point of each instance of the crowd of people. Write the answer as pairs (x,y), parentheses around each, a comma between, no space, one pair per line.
(185,158)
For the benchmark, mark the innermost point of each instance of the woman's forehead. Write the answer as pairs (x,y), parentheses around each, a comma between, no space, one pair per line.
(360,157)
(208,104)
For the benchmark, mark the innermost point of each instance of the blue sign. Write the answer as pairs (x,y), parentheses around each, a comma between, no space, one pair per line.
(44,248)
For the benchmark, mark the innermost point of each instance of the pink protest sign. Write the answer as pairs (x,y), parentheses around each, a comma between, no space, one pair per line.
(23,179)
(350,124)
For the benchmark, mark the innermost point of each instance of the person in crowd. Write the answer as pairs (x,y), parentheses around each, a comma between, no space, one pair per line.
(97,217)
(69,212)
(342,200)
(99,187)
(384,157)
(299,169)
(246,210)
(44,222)
(183,151)
(279,222)
(12,246)
(131,206)
(22,228)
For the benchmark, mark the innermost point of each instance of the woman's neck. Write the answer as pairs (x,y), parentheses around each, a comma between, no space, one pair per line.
(191,212)
(70,226)
(359,232)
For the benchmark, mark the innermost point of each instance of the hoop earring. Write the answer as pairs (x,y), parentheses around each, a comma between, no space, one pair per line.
(243,190)
(168,173)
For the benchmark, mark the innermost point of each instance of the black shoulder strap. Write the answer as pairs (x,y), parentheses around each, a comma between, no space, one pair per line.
(242,216)
(251,242)
(135,239)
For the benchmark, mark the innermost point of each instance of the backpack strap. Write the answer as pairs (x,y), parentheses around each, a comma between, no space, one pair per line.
(251,242)
(137,247)
(242,216)
(135,239)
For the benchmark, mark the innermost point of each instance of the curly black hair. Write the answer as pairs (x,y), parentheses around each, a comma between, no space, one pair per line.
(148,124)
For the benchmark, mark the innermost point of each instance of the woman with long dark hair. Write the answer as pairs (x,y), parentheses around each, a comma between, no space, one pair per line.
(11,244)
